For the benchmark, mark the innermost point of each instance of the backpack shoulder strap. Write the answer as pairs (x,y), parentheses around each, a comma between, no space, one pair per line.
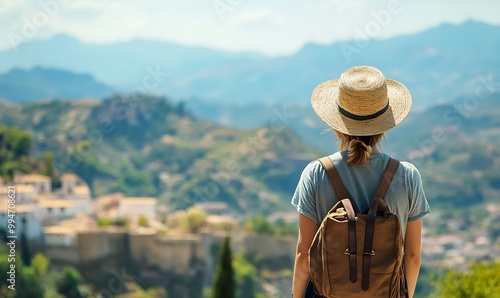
(343,196)
(334,177)
(389,172)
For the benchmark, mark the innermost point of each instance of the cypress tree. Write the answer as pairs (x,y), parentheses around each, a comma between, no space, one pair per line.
(25,250)
(224,284)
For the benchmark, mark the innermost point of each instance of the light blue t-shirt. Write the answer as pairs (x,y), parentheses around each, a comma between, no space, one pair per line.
(315,196)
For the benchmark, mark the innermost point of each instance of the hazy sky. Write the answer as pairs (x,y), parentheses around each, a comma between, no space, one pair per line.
(271,26)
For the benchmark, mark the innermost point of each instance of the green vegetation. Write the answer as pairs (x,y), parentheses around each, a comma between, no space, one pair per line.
(119,222)
(482,280)
(69,283)
(194,220)
(29,281)
(135,183)
(143,221)
(456,151)
(15,146)
(47,169)
(261,225)
(246,277)
(126,144)
(224,284)
(134,290)
(38,281)
(29,284)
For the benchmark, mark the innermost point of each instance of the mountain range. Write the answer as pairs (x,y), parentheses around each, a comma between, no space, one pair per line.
(437,65)
(20,85)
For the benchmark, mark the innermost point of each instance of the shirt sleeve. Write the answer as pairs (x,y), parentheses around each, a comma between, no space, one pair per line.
(304,198)
(419,207)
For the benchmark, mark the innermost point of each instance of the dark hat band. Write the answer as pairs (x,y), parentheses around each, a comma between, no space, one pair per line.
(366,117)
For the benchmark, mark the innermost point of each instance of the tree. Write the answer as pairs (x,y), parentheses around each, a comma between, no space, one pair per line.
(48,169)
(25,250)
(15,146)
(482,280)
(40,264)
(133,290)
(29,280)
(121,222)
(137,183)
(143,221)
(29,284)
(246,277)
(224,285)
(4,273)
(285,228)
(194,219)
(260,225)
(68,283)
(89,165)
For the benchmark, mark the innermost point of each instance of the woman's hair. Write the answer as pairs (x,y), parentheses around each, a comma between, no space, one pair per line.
(358,148)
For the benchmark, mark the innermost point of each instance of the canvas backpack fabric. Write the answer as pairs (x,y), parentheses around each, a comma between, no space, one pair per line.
(358,254)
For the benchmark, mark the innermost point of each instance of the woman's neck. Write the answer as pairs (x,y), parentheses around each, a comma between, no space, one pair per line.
(375,149)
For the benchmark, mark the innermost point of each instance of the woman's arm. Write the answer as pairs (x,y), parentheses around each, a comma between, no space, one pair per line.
(307,230)
(412,254)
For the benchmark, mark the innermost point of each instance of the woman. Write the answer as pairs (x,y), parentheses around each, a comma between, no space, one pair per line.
(360,107)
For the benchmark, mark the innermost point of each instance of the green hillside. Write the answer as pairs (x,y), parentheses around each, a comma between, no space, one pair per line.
(148,146)
(456,148)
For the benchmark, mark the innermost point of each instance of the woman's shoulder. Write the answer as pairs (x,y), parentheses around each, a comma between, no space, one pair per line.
(410,170)
(334,157)
(314,167)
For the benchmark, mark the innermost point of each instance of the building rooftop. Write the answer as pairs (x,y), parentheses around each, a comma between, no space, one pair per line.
(25,188)
(111,198)
(212,206)
(56,203)
(69,177)
(31,178)
(72,225)
(82,190)
(59,229)
(138,201)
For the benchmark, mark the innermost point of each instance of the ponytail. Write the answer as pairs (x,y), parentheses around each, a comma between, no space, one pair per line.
(358,152)
(359,148)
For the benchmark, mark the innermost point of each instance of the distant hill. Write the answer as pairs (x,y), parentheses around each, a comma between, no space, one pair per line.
(457,149)
(437,65)
(455,145)
(124,64)
(149,146)
(20,85)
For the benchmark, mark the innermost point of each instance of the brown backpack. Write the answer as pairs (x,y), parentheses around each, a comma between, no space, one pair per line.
(358,255)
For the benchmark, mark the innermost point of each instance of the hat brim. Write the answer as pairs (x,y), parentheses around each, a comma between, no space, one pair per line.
(324,102)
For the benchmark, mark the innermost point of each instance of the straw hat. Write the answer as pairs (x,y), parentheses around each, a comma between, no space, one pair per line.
(361,102)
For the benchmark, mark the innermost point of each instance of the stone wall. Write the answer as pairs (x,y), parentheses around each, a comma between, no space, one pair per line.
(67,255)
(91,246)
(267,246)
(179,254)
(97,245)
